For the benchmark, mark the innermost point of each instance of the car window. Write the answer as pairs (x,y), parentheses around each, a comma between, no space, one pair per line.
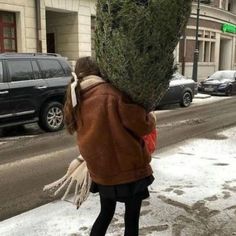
(20,70)
(36,70)
(221,75)
(66,68)
(177,76)
(1,72)
(51,68)
(216,75)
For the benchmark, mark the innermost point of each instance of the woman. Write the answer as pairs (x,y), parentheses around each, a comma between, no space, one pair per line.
(109,130)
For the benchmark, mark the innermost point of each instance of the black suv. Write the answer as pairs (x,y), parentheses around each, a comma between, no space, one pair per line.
(32,89)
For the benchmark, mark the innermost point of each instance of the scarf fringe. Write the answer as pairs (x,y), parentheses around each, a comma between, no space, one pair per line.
(78,175)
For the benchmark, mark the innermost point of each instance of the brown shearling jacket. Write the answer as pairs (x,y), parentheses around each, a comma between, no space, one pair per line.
(109,136)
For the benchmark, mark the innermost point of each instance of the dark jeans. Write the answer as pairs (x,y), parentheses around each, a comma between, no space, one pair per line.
(108,206)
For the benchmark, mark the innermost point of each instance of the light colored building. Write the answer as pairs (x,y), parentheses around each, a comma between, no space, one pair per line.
(66,27)
(54,26)
(217,38)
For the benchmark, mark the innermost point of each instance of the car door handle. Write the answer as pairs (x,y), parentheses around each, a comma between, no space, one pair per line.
(41,87)
(4,92)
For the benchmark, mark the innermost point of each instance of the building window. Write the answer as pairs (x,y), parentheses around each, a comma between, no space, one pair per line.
(201,50)
(212,55)
(232,6)
(207,46)
(206,51)
(224,4)
(7,32)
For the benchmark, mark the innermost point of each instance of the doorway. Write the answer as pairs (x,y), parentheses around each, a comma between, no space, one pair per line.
(50,42)
(225,62)
(62,32)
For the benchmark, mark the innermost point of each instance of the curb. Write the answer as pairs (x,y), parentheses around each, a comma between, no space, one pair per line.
(202,96)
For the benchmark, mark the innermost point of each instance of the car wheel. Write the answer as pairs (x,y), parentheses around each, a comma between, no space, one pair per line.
(51,118)
(186,99)
(228,91)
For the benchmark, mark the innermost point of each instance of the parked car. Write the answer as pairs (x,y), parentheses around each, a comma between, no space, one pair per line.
(221,82)
(32,89)
(181,90)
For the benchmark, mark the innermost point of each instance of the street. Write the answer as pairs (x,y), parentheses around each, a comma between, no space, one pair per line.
(30,158)
(60,59)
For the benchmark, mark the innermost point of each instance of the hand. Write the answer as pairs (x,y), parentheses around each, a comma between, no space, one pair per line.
(153,114)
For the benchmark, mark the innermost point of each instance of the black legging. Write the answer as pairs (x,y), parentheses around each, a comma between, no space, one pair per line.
(132,213)
(108,206)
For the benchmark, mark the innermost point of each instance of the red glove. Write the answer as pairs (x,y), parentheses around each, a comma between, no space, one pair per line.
(150,141)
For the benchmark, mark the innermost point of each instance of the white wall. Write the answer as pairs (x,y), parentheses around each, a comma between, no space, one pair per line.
(64,26)
(26,22)
(84,10)
(204,70)
(226,48)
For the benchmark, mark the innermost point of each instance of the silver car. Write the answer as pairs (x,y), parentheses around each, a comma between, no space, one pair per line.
(181,90)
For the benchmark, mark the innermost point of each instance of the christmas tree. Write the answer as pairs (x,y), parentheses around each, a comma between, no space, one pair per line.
(134,44)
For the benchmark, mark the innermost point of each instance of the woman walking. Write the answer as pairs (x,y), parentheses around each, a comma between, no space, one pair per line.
(109,130)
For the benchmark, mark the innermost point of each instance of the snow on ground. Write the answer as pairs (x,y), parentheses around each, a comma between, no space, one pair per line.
(206,99)
(199,99)
(198,168)
(18,137)
(194,193)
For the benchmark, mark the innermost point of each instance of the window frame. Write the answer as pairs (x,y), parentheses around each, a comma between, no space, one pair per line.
(2,70)
(40,76)
(8,25)
(65,64)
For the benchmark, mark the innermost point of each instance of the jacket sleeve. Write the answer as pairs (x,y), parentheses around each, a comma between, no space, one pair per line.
(135,118)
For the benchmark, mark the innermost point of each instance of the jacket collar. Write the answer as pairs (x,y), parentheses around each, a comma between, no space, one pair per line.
(90,81)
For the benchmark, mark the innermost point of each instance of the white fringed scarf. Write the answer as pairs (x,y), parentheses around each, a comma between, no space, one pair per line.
(77,172)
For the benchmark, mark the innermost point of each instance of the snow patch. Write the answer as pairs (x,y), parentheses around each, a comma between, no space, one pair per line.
(200,168)
(197,175)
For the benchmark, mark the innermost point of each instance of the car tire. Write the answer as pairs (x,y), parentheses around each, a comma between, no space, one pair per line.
(51,118)
(228,91)
(186,99)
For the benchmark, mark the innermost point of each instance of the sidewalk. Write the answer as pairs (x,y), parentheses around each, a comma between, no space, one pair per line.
(202,95)
(194,194)
(202,98)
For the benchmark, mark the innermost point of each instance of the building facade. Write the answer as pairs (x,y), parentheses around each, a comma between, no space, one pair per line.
(67,27)
(53,26)
(217,39)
